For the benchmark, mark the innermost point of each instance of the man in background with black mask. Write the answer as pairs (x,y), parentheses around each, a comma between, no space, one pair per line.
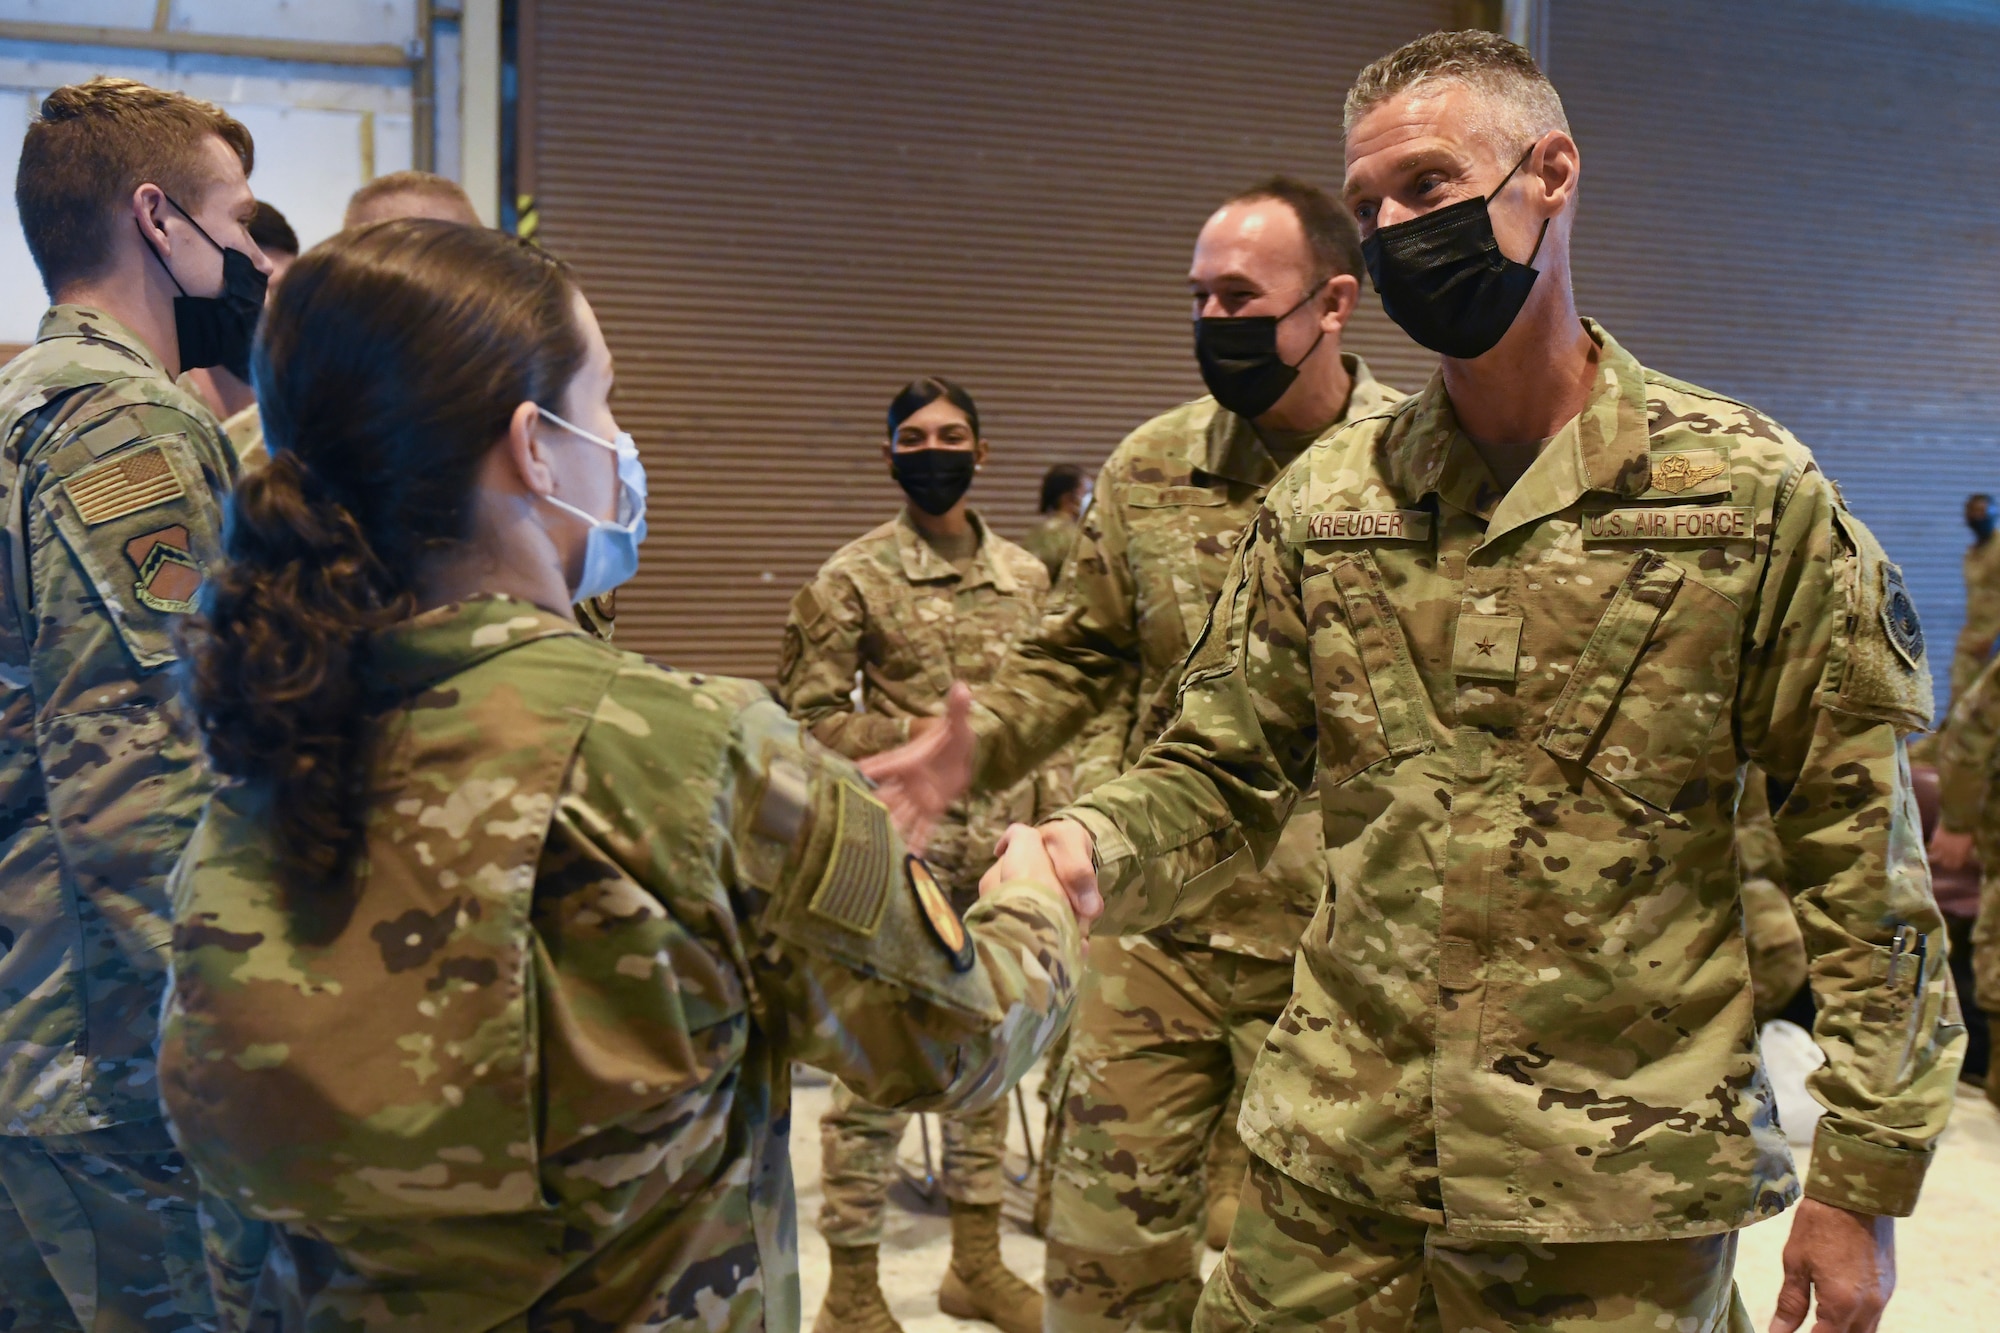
(135,202)
(1168,1023)
(1530,624)
(1982,598)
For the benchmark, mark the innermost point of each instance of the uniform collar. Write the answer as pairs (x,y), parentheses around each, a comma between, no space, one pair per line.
(921,564)
(1604,449)
(1233,451)
(96,329)
(442,642)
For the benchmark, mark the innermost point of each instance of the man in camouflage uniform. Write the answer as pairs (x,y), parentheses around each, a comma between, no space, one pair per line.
(1526,627)
(1969,821)
(1982,598)
(1170,1022)
(539,1075)
(113,480)
(912,612)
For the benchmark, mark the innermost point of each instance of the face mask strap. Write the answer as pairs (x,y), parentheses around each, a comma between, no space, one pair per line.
(578,430)
(147,241)
(1544,234)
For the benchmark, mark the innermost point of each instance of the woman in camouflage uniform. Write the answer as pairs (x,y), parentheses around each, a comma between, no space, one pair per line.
(496,945)
(930,597)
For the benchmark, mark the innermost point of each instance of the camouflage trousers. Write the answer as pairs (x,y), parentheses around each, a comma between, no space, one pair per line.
(858,1143)
(1300,1259)
(1164,1037)
(98,1232)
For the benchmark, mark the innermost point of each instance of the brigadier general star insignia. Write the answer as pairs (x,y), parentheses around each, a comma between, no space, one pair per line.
(938,914)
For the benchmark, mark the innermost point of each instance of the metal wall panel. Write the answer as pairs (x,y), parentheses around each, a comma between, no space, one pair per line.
(784,210)
(1798,204)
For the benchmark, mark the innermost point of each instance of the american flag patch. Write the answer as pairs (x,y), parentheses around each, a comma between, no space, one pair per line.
(124,485)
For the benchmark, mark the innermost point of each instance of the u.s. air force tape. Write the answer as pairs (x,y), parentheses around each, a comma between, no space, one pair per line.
(1686,523)
(1360,525)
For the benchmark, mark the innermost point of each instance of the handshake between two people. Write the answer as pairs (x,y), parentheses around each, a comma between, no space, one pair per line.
(918,781)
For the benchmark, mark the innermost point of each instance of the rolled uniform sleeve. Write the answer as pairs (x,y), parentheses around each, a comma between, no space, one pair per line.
(1834,676)
(857,971)
(816,675)
(1215,789)
(1080,667)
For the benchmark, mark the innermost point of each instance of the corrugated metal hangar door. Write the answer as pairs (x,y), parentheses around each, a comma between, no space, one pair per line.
(785,210)
(1798,204)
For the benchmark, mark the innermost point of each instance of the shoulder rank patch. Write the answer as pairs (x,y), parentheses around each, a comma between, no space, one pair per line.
(1687,523)
(1899,618)
(1681,472)
(169,575)
(123,485)
(1361,525)
(938,914)
(855,887)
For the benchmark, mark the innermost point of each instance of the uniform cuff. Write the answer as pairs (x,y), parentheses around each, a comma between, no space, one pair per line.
(1114,856)
(1865,1177)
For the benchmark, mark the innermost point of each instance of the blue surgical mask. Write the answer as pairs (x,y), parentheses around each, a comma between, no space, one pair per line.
(611,552)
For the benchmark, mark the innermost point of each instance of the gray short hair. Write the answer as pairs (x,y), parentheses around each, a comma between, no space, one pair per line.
(1523,103)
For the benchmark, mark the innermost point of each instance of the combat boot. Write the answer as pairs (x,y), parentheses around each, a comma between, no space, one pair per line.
(978,1285)
(854,1301)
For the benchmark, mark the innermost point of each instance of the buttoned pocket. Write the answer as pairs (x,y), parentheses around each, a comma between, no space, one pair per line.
(1372,703)
(1182,538)
(1645,693)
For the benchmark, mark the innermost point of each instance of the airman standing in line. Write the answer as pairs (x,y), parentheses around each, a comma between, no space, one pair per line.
(930,597)
(136,203)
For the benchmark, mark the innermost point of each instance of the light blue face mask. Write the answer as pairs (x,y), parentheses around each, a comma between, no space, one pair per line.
(611,552)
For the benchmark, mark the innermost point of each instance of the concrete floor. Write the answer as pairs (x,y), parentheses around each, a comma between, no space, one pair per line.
(1948,1255)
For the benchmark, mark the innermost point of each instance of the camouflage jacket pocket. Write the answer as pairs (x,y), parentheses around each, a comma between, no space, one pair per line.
(1372,703)
(143,525)
(1649,684)
(1181,540)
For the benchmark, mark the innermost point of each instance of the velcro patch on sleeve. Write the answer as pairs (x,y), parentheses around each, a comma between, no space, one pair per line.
(1685,523)
(124,484)
(855,887)
(1360,525)
(169,574)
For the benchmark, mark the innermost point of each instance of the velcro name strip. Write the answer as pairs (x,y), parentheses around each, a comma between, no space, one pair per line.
(1687,523)
(1362,525)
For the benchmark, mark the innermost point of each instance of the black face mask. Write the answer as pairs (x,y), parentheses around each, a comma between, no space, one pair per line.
(934,479)
(1239,359)
(218,330)
(1443,279)
(1982,527)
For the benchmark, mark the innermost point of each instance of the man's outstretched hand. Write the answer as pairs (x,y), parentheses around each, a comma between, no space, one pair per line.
(1059,853)
(1845,1261)
(919,780)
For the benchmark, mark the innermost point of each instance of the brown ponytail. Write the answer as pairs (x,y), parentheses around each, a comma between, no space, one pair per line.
(390,362)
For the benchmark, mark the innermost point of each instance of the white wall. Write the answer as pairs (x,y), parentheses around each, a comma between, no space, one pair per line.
(321,130)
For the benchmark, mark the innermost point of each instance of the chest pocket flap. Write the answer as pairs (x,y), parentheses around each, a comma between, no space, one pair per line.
(1650,683)
(1356,640)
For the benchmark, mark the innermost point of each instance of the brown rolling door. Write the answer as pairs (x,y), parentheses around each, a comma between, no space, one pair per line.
(1798,204)
(783,211)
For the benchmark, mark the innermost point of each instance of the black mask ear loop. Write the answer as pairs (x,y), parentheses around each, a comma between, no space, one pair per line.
(1542,236)
(147,241)
(203,233)
(1294,365)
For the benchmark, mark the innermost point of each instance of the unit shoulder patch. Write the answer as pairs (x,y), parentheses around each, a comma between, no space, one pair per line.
(1899,618)
(855,888)
(169,574)
(1641,523)
(944,922)
(124,484)
(1359,525)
